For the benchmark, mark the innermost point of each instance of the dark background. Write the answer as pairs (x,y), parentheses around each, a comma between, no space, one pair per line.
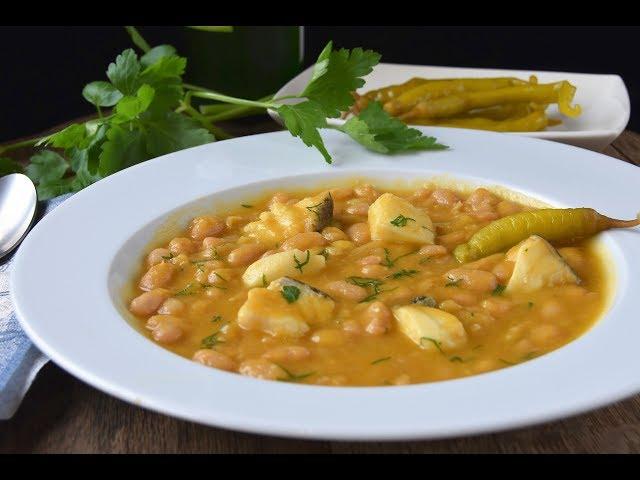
(44,68)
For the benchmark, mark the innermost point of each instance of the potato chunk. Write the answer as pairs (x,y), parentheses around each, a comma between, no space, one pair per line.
(394,219)
(269,311)
(538,265)
(282,264)
(430,328)
(284,220)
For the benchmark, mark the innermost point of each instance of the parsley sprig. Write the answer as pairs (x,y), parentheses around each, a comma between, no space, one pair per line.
(144,110)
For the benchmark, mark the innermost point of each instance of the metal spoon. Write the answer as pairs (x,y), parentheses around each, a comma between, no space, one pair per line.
(18,202)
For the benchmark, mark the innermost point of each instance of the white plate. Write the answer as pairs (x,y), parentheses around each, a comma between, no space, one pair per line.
(604,99)
(68,273)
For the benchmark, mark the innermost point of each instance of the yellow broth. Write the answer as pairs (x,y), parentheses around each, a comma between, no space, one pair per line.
(195,310)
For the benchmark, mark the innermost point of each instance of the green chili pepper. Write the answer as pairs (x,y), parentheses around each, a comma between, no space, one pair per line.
(553,224)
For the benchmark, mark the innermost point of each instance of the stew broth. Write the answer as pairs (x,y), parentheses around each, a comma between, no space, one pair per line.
(362,288)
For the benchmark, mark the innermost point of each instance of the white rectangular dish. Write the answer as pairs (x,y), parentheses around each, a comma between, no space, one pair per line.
(604,98)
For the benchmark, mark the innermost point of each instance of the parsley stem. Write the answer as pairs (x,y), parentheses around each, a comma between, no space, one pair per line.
(22,143)
(286,97)
(219,133)
(191,86)
(138,39)
(231,112)
(227,99)
(215,108)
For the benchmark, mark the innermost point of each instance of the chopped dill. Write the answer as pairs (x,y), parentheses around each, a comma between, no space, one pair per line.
(403,273)
(188,290)
(317,208)
(292,377)
(373,284)
(212,340)
(434,341)
(380,360)
(300,265)
(212,285)
(220,276)
(401,221)
(390,262)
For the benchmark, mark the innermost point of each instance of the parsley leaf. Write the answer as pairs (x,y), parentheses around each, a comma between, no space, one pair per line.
(123,148)
(46,167)
(123,73)
(290,293)
(336,75)
(303,120)
(68,137)
(131,106)
(101,94)
(156,53)
(8,166)
(84,158)
(54,188)
(166,66)
(378,131)
(173,132)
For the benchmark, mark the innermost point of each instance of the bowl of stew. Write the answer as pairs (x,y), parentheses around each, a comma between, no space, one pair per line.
(246,285)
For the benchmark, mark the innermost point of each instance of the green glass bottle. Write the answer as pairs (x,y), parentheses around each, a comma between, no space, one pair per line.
(248,62)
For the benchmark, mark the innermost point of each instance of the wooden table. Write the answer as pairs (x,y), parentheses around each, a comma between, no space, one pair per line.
(61,414)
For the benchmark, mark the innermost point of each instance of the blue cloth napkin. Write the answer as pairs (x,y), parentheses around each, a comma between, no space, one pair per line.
(20,360)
